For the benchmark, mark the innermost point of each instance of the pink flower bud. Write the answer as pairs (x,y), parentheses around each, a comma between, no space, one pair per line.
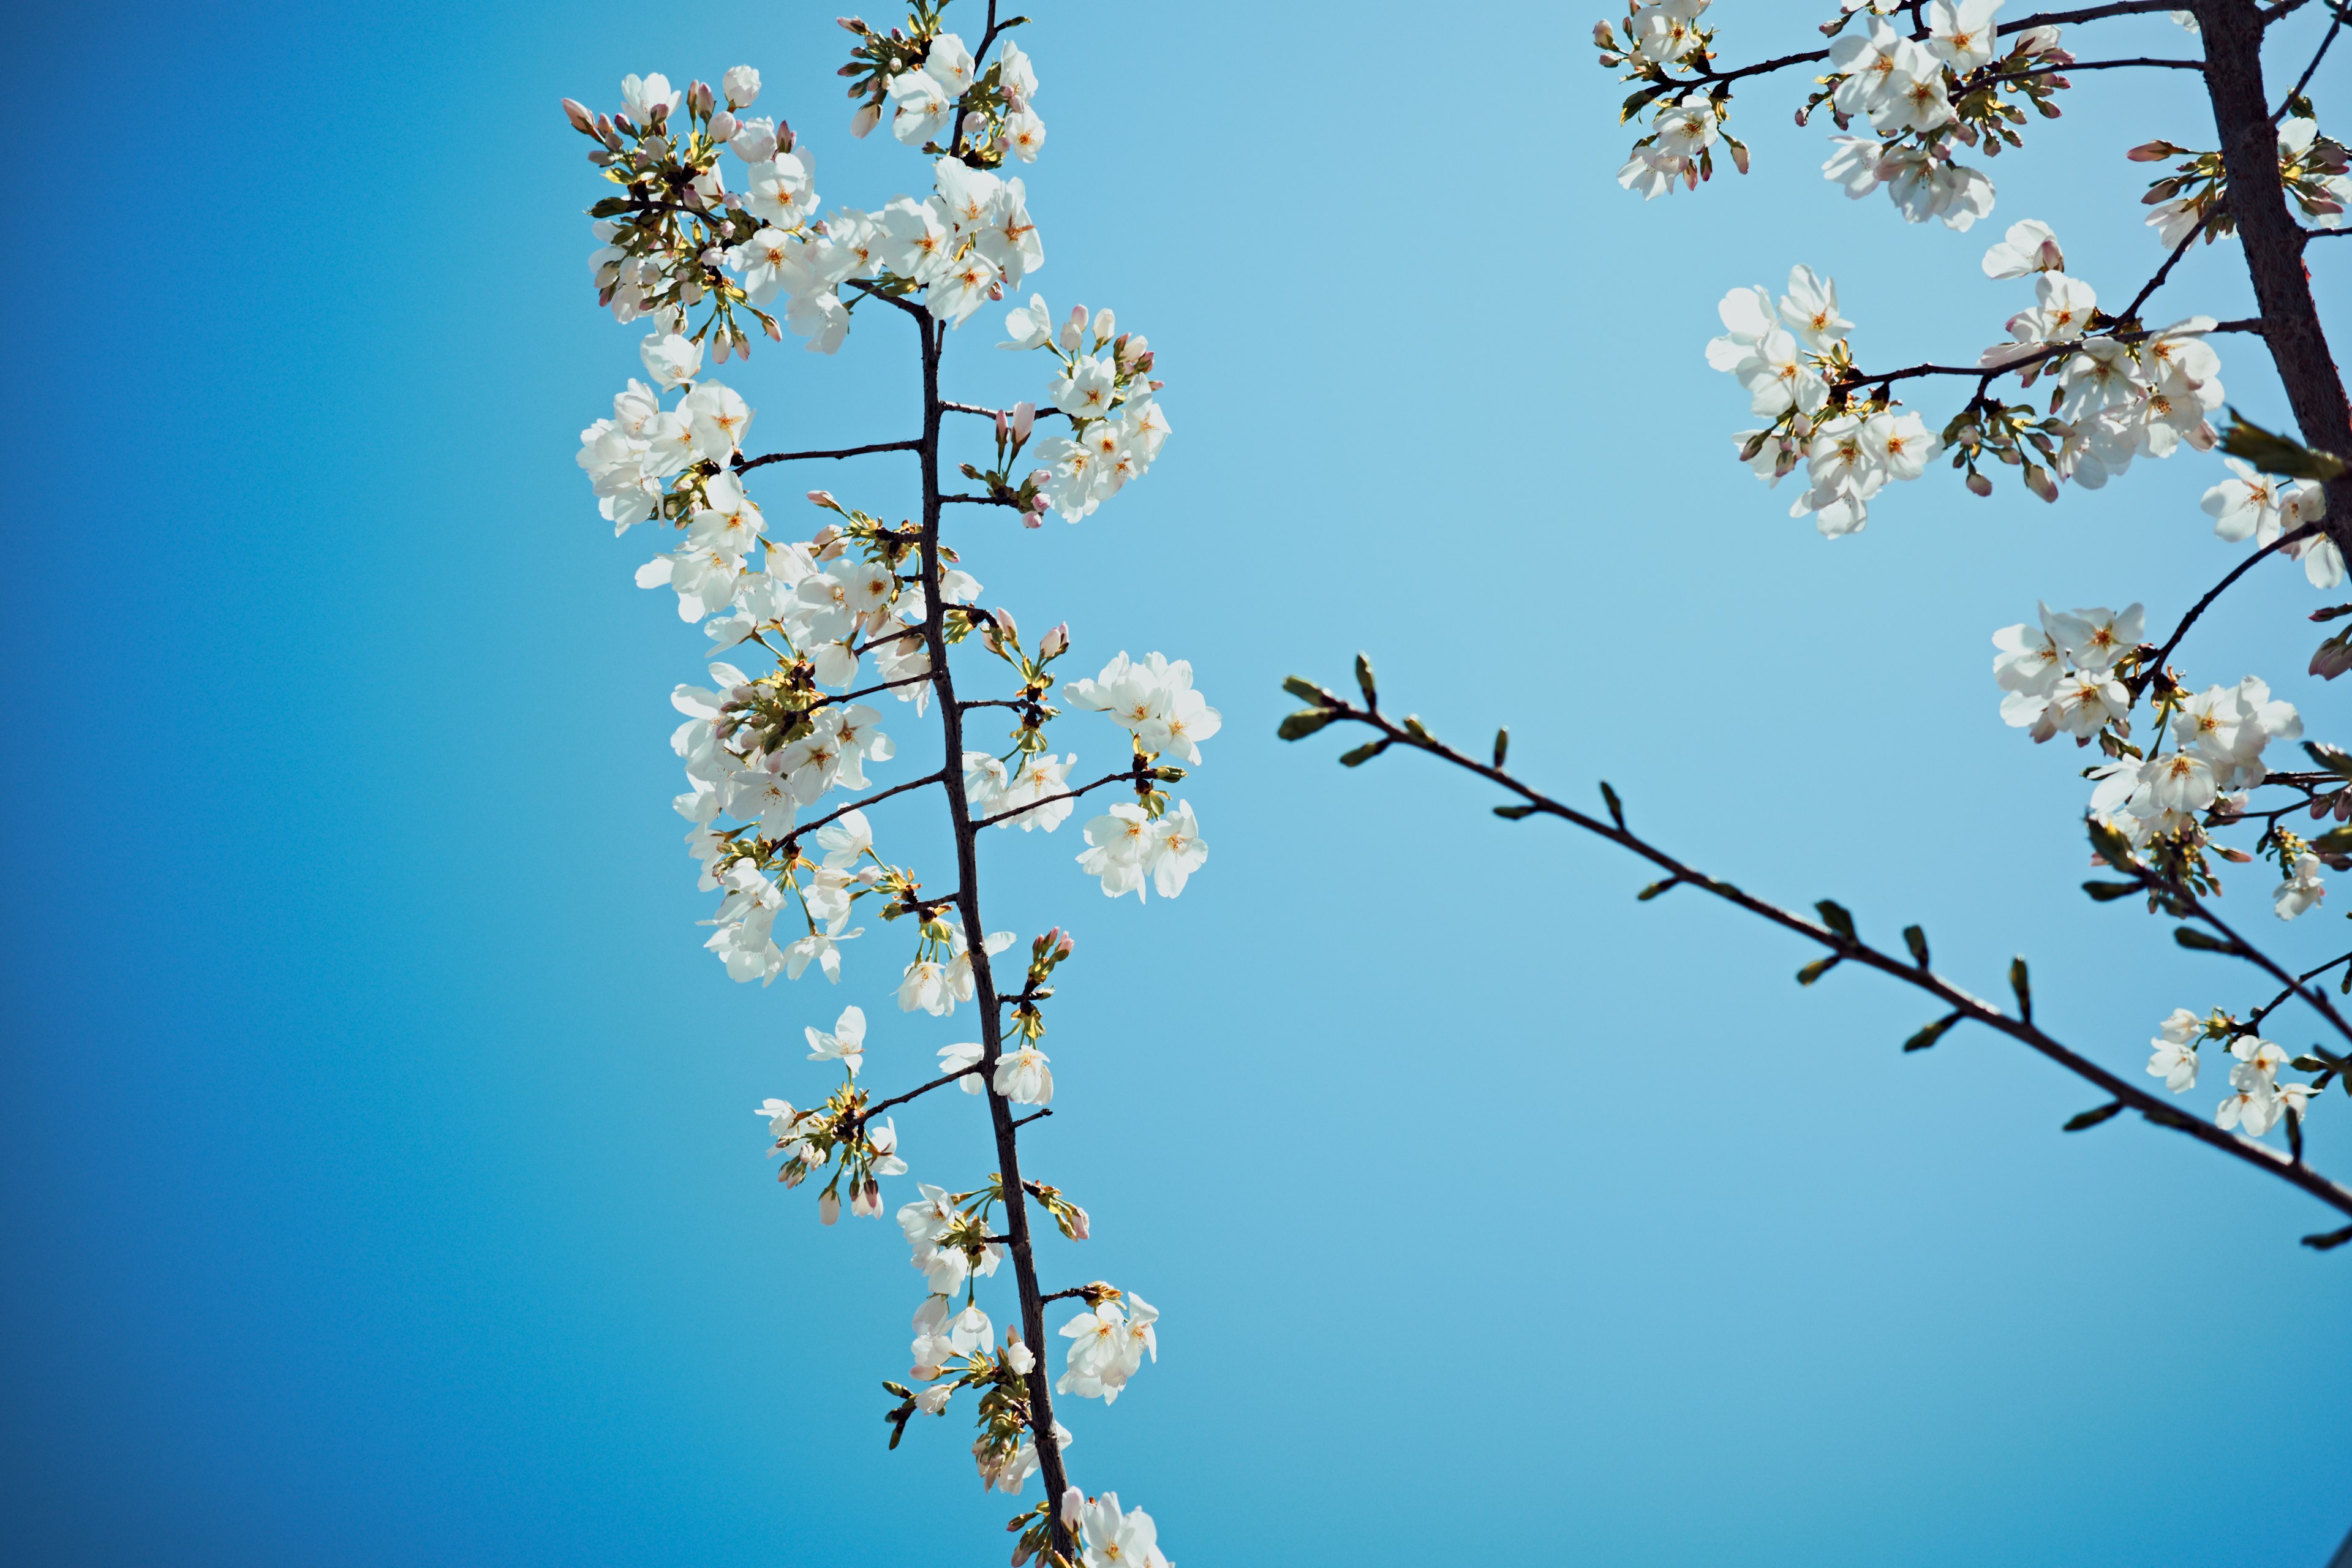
(1054,643)
(824,498)
(1979,484)
(850,24)
(1002,428)
(866,119)
(578,114)
(1032,520)
(1024,415)
(1105,324)
(975,120)
(1074,1505)
(722,127)
(1038,480)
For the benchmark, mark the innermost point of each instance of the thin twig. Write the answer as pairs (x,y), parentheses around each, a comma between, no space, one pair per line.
(743,464)
(2149,670)
(1963,1004)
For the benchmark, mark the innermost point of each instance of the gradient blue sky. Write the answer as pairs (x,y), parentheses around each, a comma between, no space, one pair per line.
(382,1188)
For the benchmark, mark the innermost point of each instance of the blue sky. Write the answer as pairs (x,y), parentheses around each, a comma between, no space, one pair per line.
(381,1187)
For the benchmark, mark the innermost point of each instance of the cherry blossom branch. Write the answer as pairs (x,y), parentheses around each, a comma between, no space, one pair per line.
(932,336)
(2255,1019)
(2312,69)
(885,686)
(1002,413)
(1134,774)
(2148,670)
(2241,948)
(805,829)
(1838,937)
(744,465)
(881,1105)
(1707,73)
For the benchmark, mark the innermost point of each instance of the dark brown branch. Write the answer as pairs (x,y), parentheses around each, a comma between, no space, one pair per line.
(2255,1019)
(881,1105)
(743,464)
(1130,776)
(2315,1000)
(1852,950)
(2149,670)
(805,829)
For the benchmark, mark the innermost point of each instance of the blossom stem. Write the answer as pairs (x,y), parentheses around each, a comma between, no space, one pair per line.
(1131,775)
(934,336)
(1853,950)
(743,464)
(808,828)
(2148,671)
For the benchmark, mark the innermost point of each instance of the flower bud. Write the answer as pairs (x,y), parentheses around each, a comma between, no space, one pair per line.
(701,99)
(2038,480)
(973,120)
(1105,324)
(581,119)
(1979,484)
(742,85)
(722,126)
(1038,480)
(1024,416)
(1073,1504)
(824,498)
(1002,428)
(866,119)
(828,1208)
(1054,643)
(850,24)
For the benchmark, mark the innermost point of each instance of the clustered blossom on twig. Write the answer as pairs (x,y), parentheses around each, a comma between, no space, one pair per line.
(1932,79)
(786,765)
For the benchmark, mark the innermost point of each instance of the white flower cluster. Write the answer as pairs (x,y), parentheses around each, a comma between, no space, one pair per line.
(1903,87)
(2258,1100)
(2262,508)
(923,102)
(1785,356)
(1107,1346)
(2117,396)
(1155,702)
(2068,676)
(1109,1538)
(1115,423)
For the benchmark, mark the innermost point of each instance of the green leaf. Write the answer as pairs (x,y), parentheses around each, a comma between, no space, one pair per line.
(2108,893)
(1364,681)
(2112,847)
(1635,102)
(1514,813)
(1916,941)
(1817,968)
(1616,806)
(1834,915)
(1932,1033)
(2093,1118)
(1304,723)
(1306,691)
(2275,454)
(2329,1240)
(2017,983)
(2198,942)
(2329,757)
(1502,746)
(1363,754)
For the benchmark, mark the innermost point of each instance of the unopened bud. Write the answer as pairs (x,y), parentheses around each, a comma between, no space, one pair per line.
(824,498)
(866,119)
(1105,324)
(1004,427)
(1979,484)
(828,1208)
(581,119)
(1024,416)
(2154,152)
(1074,1506)
(850,24)
(699,99)
(974,119)
(723,127)
(2038,480)
(742,85)
(1054,643)
(1038,480)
